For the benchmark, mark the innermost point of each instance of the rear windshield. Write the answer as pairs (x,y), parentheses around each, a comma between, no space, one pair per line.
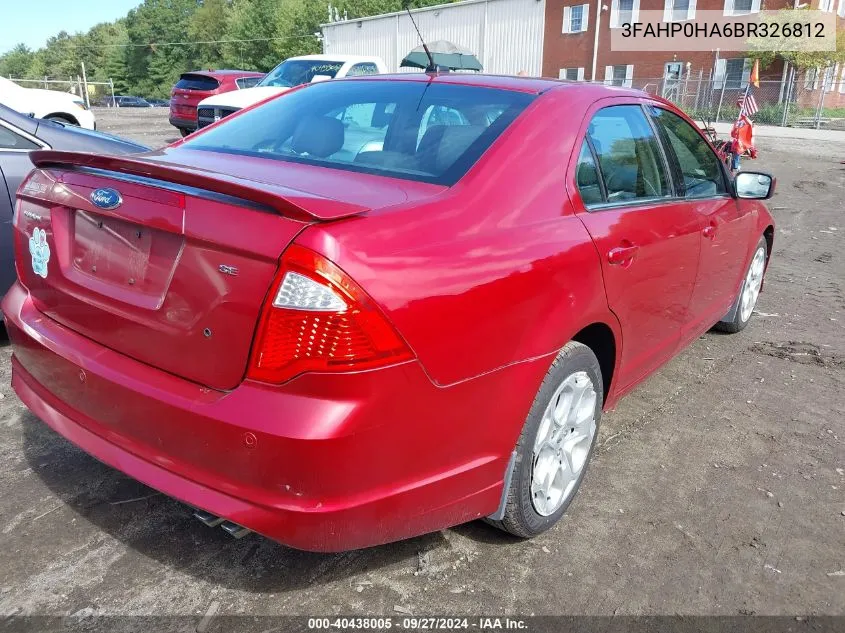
(425,131)
(197,82)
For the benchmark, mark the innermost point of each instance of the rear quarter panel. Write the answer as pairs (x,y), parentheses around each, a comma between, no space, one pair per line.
(494,271)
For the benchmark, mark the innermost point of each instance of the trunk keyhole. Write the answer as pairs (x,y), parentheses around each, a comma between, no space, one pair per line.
(207,332)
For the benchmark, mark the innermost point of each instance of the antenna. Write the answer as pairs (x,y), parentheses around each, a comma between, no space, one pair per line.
(432,67)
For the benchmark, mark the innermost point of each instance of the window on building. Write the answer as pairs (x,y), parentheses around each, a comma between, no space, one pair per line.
(811,78)
(572,74)
(678,10)
(620,75)
(623,12)
(732,74)
(575,18)
(741,7)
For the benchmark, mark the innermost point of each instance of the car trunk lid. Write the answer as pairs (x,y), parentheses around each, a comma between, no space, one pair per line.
(169,266)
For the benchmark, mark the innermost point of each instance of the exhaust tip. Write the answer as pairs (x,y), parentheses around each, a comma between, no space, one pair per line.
(234,529)
(206,518)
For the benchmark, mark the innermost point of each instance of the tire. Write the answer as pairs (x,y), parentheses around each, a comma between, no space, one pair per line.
(184,132)
(744,303)
(530,506)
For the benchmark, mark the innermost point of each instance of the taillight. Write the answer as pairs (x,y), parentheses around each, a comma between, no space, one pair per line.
(318,319)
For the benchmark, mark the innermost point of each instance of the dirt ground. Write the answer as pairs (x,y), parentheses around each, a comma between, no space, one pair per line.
(719,486)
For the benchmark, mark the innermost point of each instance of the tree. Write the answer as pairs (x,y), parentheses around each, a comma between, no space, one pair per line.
(252,31)
(151,28)
(17,62)
(800,54)
(209,24)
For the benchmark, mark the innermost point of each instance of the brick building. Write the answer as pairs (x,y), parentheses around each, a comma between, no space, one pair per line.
(570,52)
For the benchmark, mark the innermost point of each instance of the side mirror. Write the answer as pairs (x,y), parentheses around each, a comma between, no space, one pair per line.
(753,185)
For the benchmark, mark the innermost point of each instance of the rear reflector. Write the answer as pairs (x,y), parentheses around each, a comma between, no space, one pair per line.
(319,319)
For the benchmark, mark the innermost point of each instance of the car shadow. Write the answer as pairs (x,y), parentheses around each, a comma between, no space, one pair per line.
(164,529)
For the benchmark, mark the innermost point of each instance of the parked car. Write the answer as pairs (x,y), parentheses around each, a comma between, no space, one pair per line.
(195,86)
(19,135)
(294,71)
(124,101)
(46,104)
(394,340)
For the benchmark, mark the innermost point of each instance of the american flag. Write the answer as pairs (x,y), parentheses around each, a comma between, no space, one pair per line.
(748,105)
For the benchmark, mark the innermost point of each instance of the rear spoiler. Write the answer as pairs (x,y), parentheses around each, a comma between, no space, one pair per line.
(289,202)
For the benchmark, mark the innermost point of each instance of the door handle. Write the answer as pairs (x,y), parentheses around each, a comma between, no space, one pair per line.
(622,255)
(709,231)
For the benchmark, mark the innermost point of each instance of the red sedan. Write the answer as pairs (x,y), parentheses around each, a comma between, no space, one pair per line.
(373,308)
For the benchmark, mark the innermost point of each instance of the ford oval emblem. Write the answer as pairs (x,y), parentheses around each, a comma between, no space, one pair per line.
(106,198)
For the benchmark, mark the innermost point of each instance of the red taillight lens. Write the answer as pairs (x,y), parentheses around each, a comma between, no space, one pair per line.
(317,318)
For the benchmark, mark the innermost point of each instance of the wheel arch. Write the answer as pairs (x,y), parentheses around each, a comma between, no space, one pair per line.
(602,341)
(63,115)
(769,234)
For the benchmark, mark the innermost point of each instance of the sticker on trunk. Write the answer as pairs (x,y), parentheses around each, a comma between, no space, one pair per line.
(40,251)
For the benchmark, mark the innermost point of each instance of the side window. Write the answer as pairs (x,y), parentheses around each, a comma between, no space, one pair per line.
(247,82)
(365,68)
(700,169)
(587,177)
(11,140)
(628,153)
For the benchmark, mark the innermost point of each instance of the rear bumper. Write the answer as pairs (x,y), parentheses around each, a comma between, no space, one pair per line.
(186,124)
(386,456)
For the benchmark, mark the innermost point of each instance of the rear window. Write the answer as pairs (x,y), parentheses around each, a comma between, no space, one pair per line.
(197,82)
(429,132)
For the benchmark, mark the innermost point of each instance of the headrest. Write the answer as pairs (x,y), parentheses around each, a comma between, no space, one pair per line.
(442,145)
(319,136)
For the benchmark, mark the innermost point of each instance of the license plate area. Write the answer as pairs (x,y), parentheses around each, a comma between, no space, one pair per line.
(123,260)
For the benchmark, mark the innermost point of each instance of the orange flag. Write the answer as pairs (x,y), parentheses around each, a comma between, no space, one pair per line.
(755,73)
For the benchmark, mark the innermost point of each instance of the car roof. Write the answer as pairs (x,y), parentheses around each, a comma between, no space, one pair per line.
(533,85)
(225,73)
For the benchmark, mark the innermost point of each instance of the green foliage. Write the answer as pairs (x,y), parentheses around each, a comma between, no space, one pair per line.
(779,47)
(16,62)
(145,52)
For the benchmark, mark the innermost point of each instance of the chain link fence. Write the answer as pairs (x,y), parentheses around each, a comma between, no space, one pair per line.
(803,99)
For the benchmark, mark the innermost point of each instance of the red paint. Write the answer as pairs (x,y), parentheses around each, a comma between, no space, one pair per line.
(482,283)
(183,102)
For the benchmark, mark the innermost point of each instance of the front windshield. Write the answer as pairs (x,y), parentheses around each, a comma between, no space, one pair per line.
(294,72)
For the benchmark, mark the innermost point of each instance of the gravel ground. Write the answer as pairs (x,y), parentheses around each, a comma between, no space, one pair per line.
(719,486)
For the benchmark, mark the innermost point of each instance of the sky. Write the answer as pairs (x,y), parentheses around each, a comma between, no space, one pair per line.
(33,21)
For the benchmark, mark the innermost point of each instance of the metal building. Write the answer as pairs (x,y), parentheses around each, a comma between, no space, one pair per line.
(505,35)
